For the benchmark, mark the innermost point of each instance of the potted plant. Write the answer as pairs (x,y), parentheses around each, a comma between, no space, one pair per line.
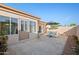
(3,40)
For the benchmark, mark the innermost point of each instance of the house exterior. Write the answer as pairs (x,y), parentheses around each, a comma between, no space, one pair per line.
(48,27)
(42,27)
(15,22)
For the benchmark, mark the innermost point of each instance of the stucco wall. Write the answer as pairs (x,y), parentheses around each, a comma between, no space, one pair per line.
(78,31)
(71,31)
(65,31)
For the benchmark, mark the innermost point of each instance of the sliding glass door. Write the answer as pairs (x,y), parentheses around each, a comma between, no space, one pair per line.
(26,25)
(4,25)
(22,25)
(32,26)
(14,26)
(7,27)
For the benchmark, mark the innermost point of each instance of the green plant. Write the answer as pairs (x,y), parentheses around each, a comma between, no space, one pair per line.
(54,25)
(72,24)
(77,45)
(3,39)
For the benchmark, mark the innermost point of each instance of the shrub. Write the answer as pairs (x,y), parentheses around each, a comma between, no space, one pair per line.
(3,41)
(77,45)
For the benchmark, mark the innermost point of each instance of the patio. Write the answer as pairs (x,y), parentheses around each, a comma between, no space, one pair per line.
(42,46)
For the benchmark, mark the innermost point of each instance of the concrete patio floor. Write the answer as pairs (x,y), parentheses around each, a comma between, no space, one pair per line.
(42,46)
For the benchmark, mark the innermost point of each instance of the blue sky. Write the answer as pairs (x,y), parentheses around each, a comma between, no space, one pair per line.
(63,13)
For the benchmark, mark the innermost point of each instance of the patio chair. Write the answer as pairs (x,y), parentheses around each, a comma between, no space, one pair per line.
(52,34)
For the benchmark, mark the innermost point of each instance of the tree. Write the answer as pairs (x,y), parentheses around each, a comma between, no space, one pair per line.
(72,24)
(54,25)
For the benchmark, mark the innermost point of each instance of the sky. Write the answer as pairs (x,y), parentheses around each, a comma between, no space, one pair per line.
(63,13)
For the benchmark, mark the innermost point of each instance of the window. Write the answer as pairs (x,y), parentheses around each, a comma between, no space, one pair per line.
(25,25)
(22,25)
(4,25)
(14,26)
(32,26)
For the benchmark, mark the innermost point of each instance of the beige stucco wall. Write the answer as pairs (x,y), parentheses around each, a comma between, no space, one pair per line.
(66,31)
(78,31)
(62,30)
(71,31)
